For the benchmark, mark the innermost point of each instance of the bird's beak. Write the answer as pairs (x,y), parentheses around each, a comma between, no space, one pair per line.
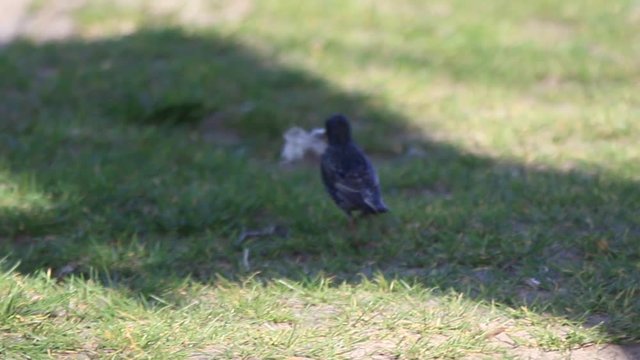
(319,133)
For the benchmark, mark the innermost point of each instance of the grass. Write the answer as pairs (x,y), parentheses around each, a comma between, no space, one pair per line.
(130,164)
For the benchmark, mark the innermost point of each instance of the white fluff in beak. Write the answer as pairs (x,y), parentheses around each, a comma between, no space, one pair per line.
(298,142)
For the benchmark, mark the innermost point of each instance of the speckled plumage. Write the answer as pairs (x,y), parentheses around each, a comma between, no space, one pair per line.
(347,174)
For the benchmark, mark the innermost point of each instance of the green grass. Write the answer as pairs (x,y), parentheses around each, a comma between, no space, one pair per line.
(130,164)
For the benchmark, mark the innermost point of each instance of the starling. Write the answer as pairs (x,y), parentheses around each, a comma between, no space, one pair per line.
(347,174)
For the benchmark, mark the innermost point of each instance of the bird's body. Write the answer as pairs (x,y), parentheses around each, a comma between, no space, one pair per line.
(347,174)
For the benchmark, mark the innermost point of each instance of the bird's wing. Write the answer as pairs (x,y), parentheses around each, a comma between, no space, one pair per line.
(359,186)
(331,177)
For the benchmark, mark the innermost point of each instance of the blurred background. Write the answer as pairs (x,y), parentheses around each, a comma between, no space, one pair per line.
(541,82)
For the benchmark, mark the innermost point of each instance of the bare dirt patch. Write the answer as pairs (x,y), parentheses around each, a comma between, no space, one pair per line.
(202,12)
(600,352)
(546,32)
(373,349)
(54,19)
(213,130)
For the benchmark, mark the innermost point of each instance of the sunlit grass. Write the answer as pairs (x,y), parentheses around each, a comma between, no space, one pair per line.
(21,193)
(275,319)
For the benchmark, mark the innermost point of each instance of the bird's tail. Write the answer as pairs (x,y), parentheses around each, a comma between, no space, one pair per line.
(379,208)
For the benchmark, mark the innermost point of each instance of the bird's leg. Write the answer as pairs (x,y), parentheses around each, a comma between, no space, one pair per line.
(356,240)
(352,223)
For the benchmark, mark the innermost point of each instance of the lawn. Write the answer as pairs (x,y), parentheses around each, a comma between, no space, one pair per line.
(140,139)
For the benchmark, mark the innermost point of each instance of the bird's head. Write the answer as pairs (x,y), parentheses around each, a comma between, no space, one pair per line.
(338,130)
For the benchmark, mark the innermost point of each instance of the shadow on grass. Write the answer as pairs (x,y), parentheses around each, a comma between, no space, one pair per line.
(108,166)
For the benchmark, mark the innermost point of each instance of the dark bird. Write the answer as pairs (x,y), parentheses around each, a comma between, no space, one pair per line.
(347,174)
